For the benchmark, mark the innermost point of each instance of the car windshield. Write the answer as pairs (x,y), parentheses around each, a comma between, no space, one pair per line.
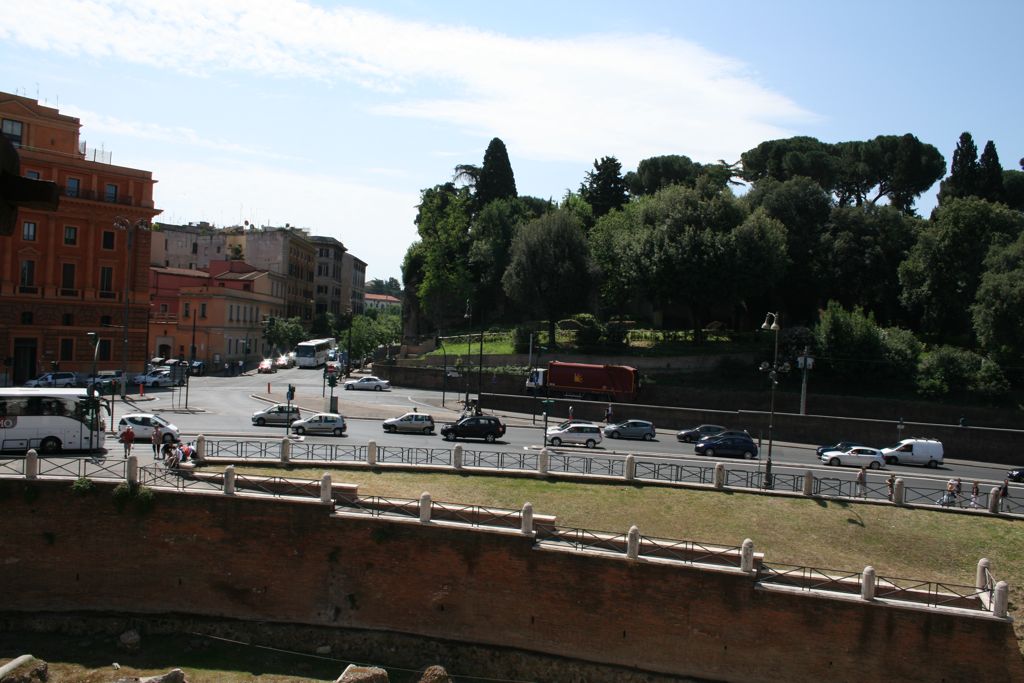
(160,421)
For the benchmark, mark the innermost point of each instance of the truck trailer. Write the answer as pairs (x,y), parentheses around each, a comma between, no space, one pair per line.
(585,380)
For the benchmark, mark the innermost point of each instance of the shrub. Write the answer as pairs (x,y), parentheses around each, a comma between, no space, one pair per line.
(951,371)
(901,350)
(589,332)
(521,338)
(82,486)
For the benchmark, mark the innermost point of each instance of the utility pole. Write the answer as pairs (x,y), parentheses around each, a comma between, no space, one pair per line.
(805,363)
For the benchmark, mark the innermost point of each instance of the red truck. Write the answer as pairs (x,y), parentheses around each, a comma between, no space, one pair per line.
(611,382)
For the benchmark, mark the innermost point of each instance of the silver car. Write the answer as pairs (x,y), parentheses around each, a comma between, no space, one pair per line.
(321,423)
(368,384)
(413,423)
(631,429)
(588,435)
(278,414)
(143,423)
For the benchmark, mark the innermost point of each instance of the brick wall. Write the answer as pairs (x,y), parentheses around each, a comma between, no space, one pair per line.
(257,559)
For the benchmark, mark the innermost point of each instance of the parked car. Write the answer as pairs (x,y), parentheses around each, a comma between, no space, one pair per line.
(1016,475)
(419,423)
(143,423)
(368,383)
(164,378)
(631,429)
(277,414)
(736,446)
(104,381)
(484,427)
(741,433)
(321,423)
(144,377)
(839,446)
(198,368)
(284,361)
(859,456)
(927,452)
(587,434)
(697,433)
(54,379)
(266,366)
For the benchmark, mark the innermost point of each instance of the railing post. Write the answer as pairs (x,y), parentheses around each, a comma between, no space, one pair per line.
(747,556)
(633,542)
(31,464)
(200,447)
(981,578)
(326,492)
(868,581)
(993,500)
(808,483)
(542,461)
(1001,599)
(457,457)
(133,470)
(526,525)
(899,492)
(286,450)
(229,480)
(425,507)
(371,453)
(629,469)
(719,476)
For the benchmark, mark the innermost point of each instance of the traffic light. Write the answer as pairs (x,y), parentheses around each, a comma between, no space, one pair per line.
(291,392)
(332,380)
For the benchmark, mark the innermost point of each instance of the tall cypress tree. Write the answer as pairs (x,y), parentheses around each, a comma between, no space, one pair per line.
(963,172)
(496,180)
(990,174)
(605,188)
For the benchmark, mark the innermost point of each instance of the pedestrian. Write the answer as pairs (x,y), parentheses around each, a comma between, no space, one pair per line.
(890,484)
(975,492)
(948,497)
(188,453)
(241,366)
(608,415)
(958,490)
(570,412)
(171,455)
(156,438)
(128,438)
(225,369)
(1004,493)
(862,482)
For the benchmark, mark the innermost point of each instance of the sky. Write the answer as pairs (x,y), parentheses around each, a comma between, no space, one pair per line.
(335,116)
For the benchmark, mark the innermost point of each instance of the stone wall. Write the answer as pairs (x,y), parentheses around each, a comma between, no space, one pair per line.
(256,559)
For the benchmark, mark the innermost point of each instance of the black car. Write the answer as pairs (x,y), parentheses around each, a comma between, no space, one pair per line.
(736,446)
(742,433)
(698,433)
(483,427)
(1016,475)
(840,446)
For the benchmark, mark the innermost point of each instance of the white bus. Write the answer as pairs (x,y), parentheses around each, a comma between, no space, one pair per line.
(313,353)
(50,420)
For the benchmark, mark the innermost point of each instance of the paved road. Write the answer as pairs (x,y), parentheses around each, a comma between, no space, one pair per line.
(224,405)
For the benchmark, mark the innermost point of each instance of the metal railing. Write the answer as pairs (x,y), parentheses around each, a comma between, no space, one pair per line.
(671,471)
(414,456)
(691,552)
(233,448)
(12,466)
(501,460)
(93,468)
(932,593)
(328,451)
(279,486)
(380,506)
(160,476)
(582,539)
(475,515)
(572,463)
(809,578)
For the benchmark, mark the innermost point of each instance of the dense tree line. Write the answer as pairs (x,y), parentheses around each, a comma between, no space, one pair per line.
(823,230)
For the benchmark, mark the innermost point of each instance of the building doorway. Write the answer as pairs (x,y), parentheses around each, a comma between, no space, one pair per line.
(25,353)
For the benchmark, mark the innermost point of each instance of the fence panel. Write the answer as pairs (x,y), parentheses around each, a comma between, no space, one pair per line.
(475,515)
(932,593)
(157,475)
(671,471)
(809,578)
(302,450)
(500,460)
(690,551)
(279,486)
(573,463)
(414,456)
(379,506)
(582,539)
(12,466)
(233,448)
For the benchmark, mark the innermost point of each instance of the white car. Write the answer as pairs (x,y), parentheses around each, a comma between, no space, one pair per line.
(54,379)
(144,377)
(321,423)
(368,384)
(588,435)
(143,423)
(859,456)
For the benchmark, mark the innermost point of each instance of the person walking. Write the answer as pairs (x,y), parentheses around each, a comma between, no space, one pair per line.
(975,492)
(949,496)
(608,415)
(128,438)
(862,482)
(570,412)
(890,484)
(958,491)
(156,439)
(1004,493)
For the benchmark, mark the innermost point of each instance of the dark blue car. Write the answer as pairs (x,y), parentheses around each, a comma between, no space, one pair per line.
(734,446)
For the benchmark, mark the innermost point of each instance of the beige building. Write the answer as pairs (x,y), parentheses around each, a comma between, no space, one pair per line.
(330,256)
(287,251)
(353,282)
(191,246)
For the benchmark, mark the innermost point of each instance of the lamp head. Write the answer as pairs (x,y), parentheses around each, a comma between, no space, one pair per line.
(92,338)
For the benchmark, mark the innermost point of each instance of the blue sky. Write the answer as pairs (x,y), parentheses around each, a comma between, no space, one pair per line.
(334,116)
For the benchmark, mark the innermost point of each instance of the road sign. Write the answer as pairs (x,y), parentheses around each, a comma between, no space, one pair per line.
(331,369)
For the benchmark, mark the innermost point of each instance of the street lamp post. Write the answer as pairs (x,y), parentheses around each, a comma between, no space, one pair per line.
(771,322)
(94,402)
(129,228)
(469,347)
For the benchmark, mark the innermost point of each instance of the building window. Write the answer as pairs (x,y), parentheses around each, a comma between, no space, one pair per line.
(187,309)
(70,235)
(68,319)
(105,321)
(32,175)
(163,308)
(67,349)
(110,193)
(26,317)
(72,188)
(12,130)
(67,276)
(202,310)
(104,350)
(28,274)
(108,239)
(195,247)
(231,313)
(106,279)
(28,231)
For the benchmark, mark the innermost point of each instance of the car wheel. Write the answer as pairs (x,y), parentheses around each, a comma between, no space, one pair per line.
(890,460)
(50,445)
(427,430)
(168,438)
(260,421)
(389,429)
(348,387)
(378,388)
(615,435)
(591,443)
(648,436)
(748,455)
(933,464)
(556,441)
(300,430)
(489,438)
(709,452)
(834,462)
(686,439)
(874,465)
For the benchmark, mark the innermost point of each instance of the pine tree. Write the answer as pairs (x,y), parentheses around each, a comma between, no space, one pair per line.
(990,174)
(496,180)
(963,172)
(605,189)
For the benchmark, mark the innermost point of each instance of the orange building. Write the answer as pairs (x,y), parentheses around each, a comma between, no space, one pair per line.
(82,268)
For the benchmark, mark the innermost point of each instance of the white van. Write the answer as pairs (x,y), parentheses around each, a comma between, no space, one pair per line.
(914,452)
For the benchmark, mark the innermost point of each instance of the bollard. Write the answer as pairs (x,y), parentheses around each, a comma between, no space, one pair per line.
(542,461)
(899,492)
(286,450)
(31,464)
(629,469)
(326,492)
(633,543)
(719,475)
(142,389)
(371,453)
(200,448)
(868,580)
(268,387)
(1001,599)
(457,457)
(133,470)
(808,483)
(993,500)
(747,556)
(229,480)
(981,578)
(526,526)
(425,507)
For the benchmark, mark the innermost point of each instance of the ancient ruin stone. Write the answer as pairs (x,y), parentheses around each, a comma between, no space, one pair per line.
(363,674)
(130,640)
(25,669)
(435,674)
